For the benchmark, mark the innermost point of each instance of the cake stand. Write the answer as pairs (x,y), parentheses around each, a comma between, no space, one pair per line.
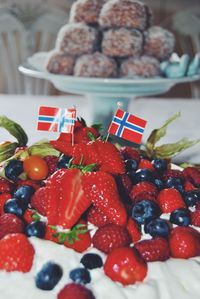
(102,94)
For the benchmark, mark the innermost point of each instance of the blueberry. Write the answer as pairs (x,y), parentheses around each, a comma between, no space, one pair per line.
(191,197)
(80,275)
(157,228)
(14,206)
(24,193)
(63,161)
(159,184)
(91,261)
(160,164)
(144,175)
(132,176)
(180,217)
(176,183)
(13,169)
(36,229)
(130,165)
(144,211)
(49,276)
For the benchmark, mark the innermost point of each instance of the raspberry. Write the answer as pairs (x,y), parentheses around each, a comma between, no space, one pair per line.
(170,200)
(184,242)
(195,218)
(146,164)
(9,224)
(193,174)
(111,236)
(73,290)
(172,173)
(52,163)
(3,198)
(5,186)
(133,230)
(188,186)
(142,187)
(130,153)
(96,217)
(153,250)
(145,195)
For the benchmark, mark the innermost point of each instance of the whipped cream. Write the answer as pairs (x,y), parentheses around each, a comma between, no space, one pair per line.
(175,278)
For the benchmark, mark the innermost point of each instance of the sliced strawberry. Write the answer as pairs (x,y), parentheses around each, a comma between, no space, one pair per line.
(101,189)
(73,202)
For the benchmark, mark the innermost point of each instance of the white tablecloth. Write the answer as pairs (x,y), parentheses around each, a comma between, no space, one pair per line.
(24,110)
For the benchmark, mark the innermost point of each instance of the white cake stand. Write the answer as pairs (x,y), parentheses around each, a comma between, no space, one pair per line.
(103,94)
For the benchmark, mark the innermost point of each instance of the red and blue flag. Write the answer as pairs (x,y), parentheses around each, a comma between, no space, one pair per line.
(127,126)
(56,119)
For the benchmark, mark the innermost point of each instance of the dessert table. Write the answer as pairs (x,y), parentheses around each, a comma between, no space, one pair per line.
(24,110)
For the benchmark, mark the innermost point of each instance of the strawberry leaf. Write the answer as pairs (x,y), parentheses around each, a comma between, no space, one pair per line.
(98,127)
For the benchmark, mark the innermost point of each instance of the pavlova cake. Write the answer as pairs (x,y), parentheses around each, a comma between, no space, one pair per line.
(87,219)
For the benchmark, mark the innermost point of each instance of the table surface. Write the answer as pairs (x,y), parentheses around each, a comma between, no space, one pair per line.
(24,110)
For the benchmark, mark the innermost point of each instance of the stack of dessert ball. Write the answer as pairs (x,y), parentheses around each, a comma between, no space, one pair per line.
(110,39)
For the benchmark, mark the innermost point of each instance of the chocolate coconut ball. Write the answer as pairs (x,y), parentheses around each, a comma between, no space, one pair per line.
(77,39)
(143,67)
(125,13)
(86,11)
(95,65)
(122,42)
(159,42)
(59,63)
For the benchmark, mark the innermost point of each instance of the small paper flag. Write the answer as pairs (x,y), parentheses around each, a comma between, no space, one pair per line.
(127,126)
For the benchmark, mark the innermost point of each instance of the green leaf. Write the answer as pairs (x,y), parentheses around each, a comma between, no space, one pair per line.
(36,217)
(43,148)
(157,134)
(91,136)
(172,149)
(14,129)
(7,150)
(89,168)
(98,127)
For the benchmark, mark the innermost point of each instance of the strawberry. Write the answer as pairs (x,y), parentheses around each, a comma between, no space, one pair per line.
(96,217)
(193,174)
(64,147)
(82,134)
(134,230)
(145,195)
(128,152)
(3,198)
(5,185)
(153,250)
(184,242)
(145,164)
(125,266)
(141,188)
(28,215)
(10,223)
(101,189)
(72,201)
(75,291)
(111,236)
(51,235)
(38,201)
(172,173)
(16,253)
(170,200)
(195,218)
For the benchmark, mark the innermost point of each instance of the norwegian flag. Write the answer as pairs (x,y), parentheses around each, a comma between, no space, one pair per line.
(56,119)
(127,126)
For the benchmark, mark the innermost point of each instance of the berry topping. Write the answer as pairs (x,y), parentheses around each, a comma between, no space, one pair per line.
(13,169)
(36,229)
(176,183)
(24,193)
(144,175)
(157,228)
(80,275)
(51,163)
(170,200)
(96,217)
(91,261)
(172,173)
(180,217)
(3,199)
(111,236)
(184,242)
(73,290)
(195,218)
(16,253)
(144,211)
(125,266)
(160,165)
(142,187)
(192,174)
(134,230)
(9,224)
(191,198)
(48,277)
(15,206)
(130,153)
(153,250)
(146,164)
(5,186)
(130,165)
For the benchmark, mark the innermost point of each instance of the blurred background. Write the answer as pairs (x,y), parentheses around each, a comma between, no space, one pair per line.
(29,26)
